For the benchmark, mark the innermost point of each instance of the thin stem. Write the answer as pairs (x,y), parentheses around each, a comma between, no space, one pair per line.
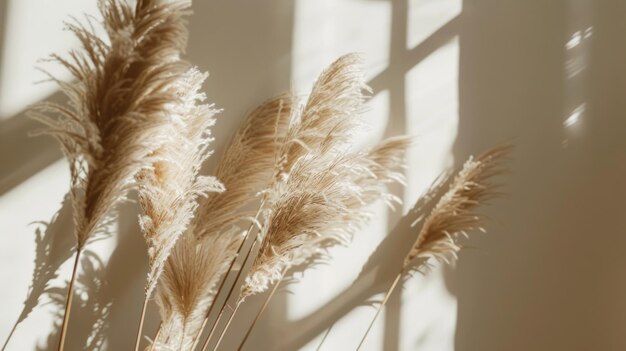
(156,337)
(230,292)
(140,328)
(214,302)
(393,286)
(230,319)
(319,347)
(258,315)
(219,290)
(213,328)
(68,302)
(10,335)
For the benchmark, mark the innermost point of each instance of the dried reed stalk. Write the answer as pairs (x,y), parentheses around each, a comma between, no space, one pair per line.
(245,169)
(326,122)
(323,206)
(453,216)
(116,108)
(169,189)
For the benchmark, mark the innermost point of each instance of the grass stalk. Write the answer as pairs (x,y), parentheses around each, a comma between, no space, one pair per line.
(382,304)
(68,302)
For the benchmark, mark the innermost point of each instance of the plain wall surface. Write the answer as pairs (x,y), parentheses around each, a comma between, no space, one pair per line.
(461,75)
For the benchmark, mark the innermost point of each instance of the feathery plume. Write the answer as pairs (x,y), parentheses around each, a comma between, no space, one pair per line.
(117,103)
(322,204)
(168,190)
(453,216)
(322,208)
(323,125)
(184,294)
(245,168)
(116,107)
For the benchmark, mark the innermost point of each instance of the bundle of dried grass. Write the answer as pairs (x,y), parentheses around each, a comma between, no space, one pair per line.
(322,204)
(453,216)
(245,168)
(323,125)
(184,294)
(117,106)
(312,158)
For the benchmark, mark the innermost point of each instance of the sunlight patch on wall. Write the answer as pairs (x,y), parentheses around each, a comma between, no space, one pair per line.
(33,30)
(577,49)
(432,116)
(327,29)
(427,296)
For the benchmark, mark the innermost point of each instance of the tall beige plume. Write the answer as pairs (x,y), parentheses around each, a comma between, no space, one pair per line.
(117,108)
(169,188)
(245,168)
(321,204)
(455,214)
(118,103)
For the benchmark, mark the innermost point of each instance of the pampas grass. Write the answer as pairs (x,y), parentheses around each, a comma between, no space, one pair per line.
(183,294)
(453,216)
(116,108)
(245,168)
(323,205)
(136,120)
(322,126)
(168,190)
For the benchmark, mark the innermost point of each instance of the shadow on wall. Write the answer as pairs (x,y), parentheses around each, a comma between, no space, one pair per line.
(550,274)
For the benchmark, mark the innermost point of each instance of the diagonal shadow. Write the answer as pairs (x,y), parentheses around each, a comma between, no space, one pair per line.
(408,59)
(20,155)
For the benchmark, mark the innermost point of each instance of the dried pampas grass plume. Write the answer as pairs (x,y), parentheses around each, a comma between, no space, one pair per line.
(169,188)
(453,216)
(245,168)
(117,103)
(330,116)
(184,294)
(117,107)
(322,204)
(323,125)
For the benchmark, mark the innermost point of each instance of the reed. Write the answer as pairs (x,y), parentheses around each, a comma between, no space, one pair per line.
(454,216)
(117,102)
(136,120)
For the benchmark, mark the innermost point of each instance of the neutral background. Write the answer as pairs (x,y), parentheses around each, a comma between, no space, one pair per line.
(461,75)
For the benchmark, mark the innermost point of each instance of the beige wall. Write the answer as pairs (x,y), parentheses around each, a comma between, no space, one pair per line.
(462,75)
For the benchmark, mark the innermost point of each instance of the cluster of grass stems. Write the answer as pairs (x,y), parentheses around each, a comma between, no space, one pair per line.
(286,189)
